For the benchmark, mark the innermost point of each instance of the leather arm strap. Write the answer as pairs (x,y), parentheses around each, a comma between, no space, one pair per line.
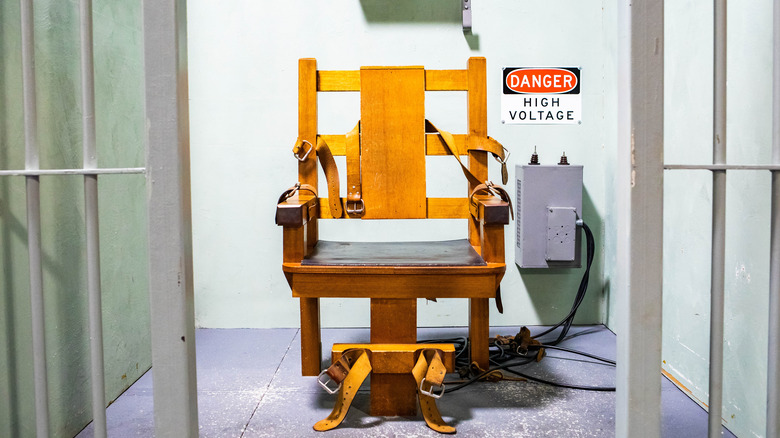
(428,372)
(289,193)
(493,190)
(354,377)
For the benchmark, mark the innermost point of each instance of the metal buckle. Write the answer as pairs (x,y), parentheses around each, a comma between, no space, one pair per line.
(324,383)
(311,147)
(431,393)
(357,211)
(506,156)
(491,188)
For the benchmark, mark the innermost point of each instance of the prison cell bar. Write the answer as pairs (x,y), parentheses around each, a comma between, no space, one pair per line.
(170,218)
(104,171)
(32,185)
(773,360)
(718,260)
(640,217)
(91,222)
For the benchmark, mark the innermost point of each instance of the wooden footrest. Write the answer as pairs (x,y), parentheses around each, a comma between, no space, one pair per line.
(396,358)
(393,389)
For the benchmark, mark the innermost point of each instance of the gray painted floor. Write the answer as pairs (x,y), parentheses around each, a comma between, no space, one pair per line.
(249,385)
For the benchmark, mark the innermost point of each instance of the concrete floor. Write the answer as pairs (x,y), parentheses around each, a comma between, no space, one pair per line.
(249,385)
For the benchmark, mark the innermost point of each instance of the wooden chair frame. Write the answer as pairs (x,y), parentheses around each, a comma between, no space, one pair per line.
(394,289)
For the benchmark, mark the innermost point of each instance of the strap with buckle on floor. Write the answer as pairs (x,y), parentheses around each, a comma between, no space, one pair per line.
(429,374)
(348,373)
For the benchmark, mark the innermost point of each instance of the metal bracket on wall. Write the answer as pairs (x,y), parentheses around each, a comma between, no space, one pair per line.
(466,9)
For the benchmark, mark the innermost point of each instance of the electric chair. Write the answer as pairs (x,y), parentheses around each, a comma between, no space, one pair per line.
(385,177)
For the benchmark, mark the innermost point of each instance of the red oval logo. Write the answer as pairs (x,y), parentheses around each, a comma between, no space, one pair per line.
(541,80)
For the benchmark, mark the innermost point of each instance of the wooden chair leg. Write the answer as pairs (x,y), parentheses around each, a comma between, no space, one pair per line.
(311,344)
(393,321)
(479,326)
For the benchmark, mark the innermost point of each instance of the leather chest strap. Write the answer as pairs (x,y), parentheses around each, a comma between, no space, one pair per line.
(355,206)
(485,144)
(331,176)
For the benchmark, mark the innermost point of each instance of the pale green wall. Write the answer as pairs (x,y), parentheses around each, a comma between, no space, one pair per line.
(243,87)
(688,200)
(119,101)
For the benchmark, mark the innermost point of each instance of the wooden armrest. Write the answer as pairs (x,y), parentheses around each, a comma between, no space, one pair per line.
(297,211)
(489,210)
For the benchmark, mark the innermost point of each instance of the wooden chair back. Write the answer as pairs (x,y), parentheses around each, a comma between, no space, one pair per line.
(392,141)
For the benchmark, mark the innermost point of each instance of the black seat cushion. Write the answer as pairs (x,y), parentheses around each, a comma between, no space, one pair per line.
(442,253)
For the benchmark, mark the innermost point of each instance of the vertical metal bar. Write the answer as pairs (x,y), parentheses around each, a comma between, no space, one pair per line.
(92,222)
(717,279)
(170,224)
(640,217)
(773,363)
(32,184)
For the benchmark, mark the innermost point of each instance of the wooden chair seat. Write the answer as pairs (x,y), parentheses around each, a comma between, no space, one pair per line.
(440,253)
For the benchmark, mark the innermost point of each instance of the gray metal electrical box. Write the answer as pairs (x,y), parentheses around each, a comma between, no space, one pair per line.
(549,202)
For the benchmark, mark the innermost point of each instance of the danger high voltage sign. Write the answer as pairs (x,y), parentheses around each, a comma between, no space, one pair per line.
(541,96)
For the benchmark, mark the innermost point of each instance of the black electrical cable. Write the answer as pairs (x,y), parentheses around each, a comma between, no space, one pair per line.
(535,348)
(583,288)
(508,367)
(562,385)
(581,353)
(462,340)
(566,323)
(485,373)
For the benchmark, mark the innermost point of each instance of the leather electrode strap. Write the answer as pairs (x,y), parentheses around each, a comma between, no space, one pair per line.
(433,371)
(349,387)
(331,176)
(353,164)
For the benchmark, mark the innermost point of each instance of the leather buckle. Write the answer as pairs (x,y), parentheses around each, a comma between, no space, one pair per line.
(356,211)
(324,383)
(431,393)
